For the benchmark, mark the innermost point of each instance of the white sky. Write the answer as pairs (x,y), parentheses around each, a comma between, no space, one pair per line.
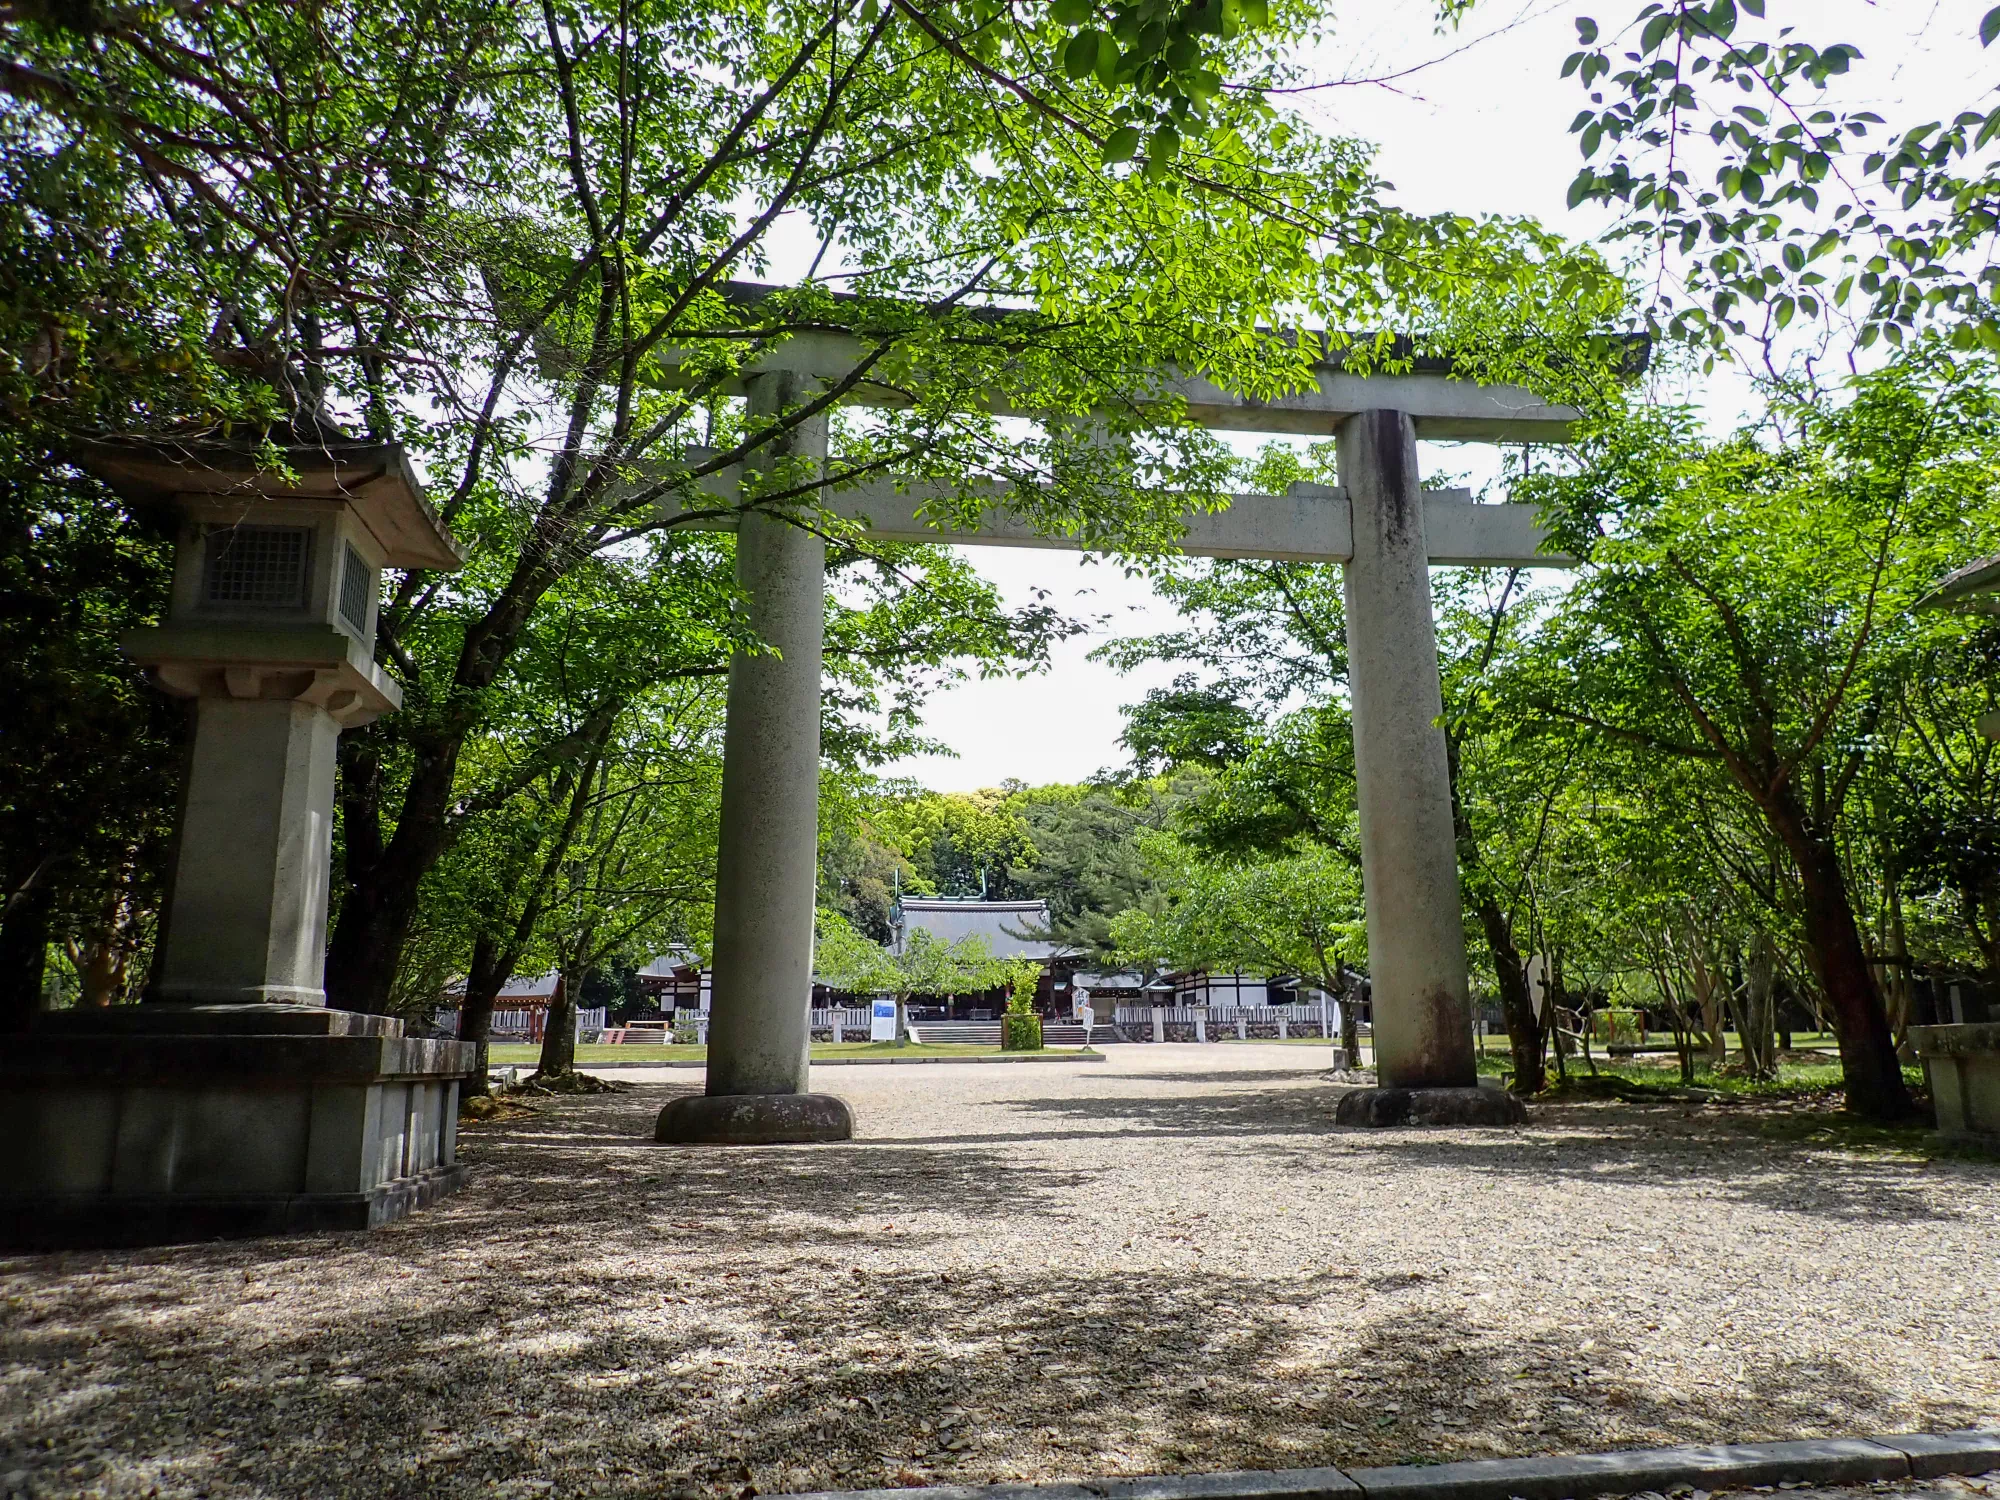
(1481,131)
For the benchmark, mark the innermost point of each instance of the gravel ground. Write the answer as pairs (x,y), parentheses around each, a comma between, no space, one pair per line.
(1170,1261)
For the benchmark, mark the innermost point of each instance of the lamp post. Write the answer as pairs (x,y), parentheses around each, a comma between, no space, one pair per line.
(233,1101)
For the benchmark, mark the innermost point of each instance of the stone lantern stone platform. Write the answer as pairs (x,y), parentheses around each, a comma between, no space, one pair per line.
(233,1101)
(1962,1066)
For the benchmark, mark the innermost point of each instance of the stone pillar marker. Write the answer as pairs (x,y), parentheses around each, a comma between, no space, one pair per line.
(767,864)
(1416,927)
(233,1101)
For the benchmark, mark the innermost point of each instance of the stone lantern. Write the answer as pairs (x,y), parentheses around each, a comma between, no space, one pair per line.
(1962,1061)
(233,1101)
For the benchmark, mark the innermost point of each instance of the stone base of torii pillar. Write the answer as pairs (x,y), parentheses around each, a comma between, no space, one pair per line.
(758,1078)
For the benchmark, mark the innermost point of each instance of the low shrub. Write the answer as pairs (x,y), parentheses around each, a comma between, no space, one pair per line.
(1615,1026)
(1019,1033)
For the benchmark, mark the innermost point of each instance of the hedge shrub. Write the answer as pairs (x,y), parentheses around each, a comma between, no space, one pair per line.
(1019,1033)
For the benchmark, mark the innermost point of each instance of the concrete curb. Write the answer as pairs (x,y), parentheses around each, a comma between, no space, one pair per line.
(882,1062)
(1832,1461)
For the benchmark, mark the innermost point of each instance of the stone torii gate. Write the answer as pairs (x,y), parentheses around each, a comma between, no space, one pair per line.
(1378,523)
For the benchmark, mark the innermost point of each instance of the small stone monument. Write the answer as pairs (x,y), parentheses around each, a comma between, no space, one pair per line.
(233,1101)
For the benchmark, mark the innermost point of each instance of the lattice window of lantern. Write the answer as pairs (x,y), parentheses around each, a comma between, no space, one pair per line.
(356,580)
(258,567)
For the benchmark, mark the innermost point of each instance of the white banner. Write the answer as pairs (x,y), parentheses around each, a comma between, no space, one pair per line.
(882,1021)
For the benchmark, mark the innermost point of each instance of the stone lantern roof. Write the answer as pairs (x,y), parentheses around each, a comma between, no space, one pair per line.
(374,480)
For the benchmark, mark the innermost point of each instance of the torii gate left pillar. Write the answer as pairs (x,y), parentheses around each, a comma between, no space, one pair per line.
(767,862)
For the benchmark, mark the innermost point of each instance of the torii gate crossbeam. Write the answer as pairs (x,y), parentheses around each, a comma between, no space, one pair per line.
(1378,524)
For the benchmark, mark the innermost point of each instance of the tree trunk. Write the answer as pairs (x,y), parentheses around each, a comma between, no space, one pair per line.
(100,969)
(1711,1003)
(24,957)
(1333,990)
(1868,1064)
(1900,983)
(381,883)
(1525,1036)
(1348,1000)
(558,1057)
(483,980)
(1760,981)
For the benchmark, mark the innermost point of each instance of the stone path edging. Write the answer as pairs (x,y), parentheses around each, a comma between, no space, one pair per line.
(1833,1461)
(880,1062)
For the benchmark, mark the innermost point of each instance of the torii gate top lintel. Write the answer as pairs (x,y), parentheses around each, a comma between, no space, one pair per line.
(1443,404)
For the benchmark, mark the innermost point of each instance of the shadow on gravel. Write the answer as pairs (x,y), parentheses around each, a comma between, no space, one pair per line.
(1250,1112)
(1226,1076)
(1647,1145)
(596,1316)
(1585,1143)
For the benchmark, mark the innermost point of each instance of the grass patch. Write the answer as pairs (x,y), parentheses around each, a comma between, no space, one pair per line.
(1796,1080)
(1660,1074)
(1804,1105)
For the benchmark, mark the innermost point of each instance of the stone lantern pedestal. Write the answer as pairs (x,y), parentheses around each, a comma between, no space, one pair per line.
(233,1101)
(1962,1066)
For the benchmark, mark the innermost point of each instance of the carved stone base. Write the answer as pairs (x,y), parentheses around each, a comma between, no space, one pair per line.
(1962,1065)
(161,1124)
(755,1120)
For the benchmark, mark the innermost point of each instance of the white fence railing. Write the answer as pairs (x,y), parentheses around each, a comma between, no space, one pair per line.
(840,1023)
(1152,1021)
(522,1023)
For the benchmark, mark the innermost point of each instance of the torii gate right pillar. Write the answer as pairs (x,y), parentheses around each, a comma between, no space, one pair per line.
(1421,1012)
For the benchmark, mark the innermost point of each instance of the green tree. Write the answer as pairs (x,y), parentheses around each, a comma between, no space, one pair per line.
(511,236)
(960,843)
(1089,863)
(1722,139)
(1935,795)
(1744,608)
(927,965)
(1301,914)
(639,873)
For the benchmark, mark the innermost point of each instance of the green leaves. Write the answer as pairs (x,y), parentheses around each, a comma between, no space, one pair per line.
(1779,175)
(1166,58)
(1090,52)
(1296,914)
(846,960)
(1743,656)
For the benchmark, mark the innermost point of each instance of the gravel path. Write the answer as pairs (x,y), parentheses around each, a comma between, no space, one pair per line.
(1170,1261)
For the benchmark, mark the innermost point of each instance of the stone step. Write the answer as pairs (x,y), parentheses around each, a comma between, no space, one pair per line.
(957,1033)
(1069,1034)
